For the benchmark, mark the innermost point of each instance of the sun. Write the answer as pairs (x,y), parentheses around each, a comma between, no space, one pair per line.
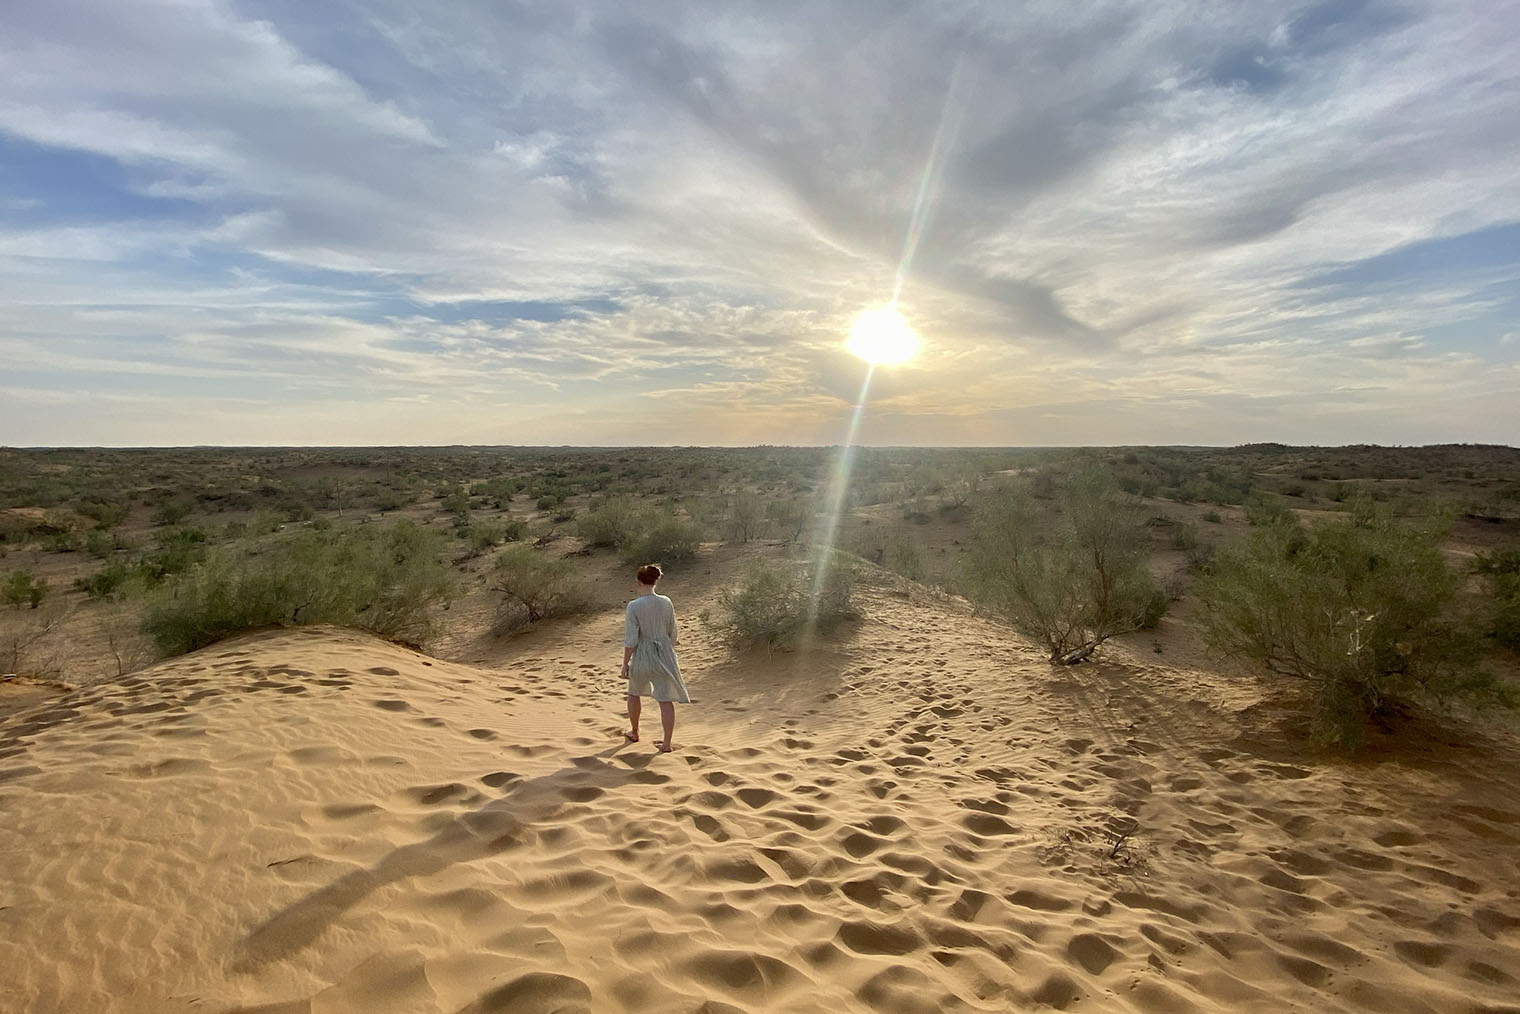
(881,336)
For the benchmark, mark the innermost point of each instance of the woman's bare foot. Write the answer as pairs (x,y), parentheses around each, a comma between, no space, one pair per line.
(631,737)
(664,747)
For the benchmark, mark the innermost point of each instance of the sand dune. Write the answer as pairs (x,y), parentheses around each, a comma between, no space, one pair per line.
(923,817)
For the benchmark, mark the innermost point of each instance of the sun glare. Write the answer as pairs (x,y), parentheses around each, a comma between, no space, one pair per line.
(881,336)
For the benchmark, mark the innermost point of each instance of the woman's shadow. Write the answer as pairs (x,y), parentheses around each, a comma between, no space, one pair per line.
(495,827)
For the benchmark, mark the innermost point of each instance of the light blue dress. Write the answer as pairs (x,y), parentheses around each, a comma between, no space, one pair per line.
(650,630)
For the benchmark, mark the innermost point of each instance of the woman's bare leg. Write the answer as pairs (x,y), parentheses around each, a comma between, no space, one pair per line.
(633,718)
(668,722)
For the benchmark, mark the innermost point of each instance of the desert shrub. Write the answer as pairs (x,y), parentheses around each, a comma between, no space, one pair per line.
(664,541)
(30,647)
(1073,579)
(176,551)
(1213,517)
(1263,511)
(1501,571)
(788,518)
(387,579)
(63,542)
(746,513)
(608,525)
(393,499)
(482,535)
(497,492)
(1200,557)
(534,586)
(106,581)
(105,514)
(1173,587)
(1184,536)
(171,513)
(1157,603)
(100,543)
(457,503)
(902,557)
(1355,609)
(265,522)
(22,588)
(775,604)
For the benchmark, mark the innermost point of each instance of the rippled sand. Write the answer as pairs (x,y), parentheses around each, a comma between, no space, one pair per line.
(922,817)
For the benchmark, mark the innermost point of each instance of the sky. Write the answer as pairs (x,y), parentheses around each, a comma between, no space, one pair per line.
(318,222)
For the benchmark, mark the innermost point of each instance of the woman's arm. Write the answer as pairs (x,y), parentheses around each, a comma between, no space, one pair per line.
(630,636)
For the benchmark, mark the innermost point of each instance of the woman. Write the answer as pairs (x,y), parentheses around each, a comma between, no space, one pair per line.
(649,656)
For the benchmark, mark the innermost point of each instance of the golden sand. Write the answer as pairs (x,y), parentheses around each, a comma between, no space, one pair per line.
(922,817)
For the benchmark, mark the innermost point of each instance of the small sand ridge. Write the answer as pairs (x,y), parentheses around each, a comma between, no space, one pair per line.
(923,817)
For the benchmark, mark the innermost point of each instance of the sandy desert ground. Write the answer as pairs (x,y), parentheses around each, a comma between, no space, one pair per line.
(920,816)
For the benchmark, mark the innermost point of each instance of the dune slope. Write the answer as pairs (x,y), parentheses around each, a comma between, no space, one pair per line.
(921,817)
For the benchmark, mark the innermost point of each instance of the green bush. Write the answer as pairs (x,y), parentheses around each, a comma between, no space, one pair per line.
(1506,614)
(23,589)
(608,525)
(746,513)
(663,541)
(1201,557)
(106,581)
(640,536)
(387,579)
(100,543)
(1355,609)
(775,604)
(457,503)
(394,500)
(902,556)
(103,513)
(171,513)
(1263,511)
(265,522)
(482,535)
(63,542)
(1501,570)
(1073,578)
(177,550)
(534,586)
(789,518)
(497,492)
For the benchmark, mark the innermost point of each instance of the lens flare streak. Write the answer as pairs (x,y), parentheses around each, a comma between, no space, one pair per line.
(928,184)
(839,488)
(923,202)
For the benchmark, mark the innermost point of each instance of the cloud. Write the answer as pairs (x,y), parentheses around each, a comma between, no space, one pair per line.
(1148,220)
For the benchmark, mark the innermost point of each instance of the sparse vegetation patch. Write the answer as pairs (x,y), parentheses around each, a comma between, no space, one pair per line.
(387,579)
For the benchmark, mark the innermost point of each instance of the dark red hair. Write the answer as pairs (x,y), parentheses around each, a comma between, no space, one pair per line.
(649,574)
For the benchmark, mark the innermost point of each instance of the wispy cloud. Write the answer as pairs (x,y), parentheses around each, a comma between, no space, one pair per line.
(604,223)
